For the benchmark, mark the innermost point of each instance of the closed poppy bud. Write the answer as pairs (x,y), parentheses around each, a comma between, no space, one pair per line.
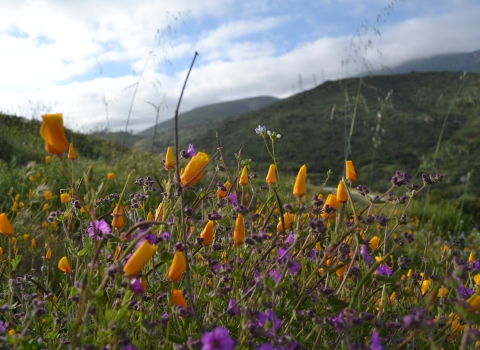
(1,254)
(207,233)
(178,299)
(149,216)
(45,207)
(110,176)
(341,271)
(341,193)
(243,177)
(239,231)
(63,265)
(299,189)
(30,193)
(159,212)
(25,237)
(287,219)
(178,267)
(476,278)
(223,194)
(425,286)
(17,197)
(47,195)
(271,176)
(15,207)
(471,258)
(64,198)
(53,133)
(33,245)
(332,202)
(21,204)
(71,153)
(48,254)
(474,302)
(14,240)
(5,226)
(193,171)
(139,259)
(373,243)
(169,160)
(47,160)
(118,221)
(350,174)
(116,254)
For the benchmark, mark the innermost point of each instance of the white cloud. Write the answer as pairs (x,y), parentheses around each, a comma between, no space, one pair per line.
(246,49)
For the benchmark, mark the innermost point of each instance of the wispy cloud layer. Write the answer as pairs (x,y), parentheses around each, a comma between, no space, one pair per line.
(85,58)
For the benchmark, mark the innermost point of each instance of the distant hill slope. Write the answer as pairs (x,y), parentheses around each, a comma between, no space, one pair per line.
(457,62)
(412,107)
(199,120)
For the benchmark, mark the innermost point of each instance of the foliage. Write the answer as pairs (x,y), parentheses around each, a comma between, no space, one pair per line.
(363,274)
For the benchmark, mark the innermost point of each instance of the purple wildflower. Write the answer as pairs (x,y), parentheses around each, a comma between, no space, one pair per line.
(136,286)
(217,340)
(269,316)
(290,238)
(384,270)
(364,253)
(275,275)
(312,256)
(150,237)
(232,198)
(191,151)
(101,227)
(375,344)
(338,323)
(2,327)
(265,346)
(464,292)
(261,130)
(232,307)
(165,236)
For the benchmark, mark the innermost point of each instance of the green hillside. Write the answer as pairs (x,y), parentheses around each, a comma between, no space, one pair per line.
(412,109)
(457,62)
(198,120)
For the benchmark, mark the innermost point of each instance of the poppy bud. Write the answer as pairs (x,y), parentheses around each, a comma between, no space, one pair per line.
(71,153)
(299,189)
(341,193)
(139,259)
(5,226)
(350,173)
(169,161)
(207,233)
(271,176)
(239,231)
(178,267)
(193,171)
(63,265)
(243,177)
(178,299)
(53,133)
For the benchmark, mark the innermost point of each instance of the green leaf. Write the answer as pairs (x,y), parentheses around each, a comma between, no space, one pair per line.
(337,304)
(175,339)
(166,257)
(82,252)
(16,261)
(269,282)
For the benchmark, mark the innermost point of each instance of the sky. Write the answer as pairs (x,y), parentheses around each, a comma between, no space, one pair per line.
(100,61)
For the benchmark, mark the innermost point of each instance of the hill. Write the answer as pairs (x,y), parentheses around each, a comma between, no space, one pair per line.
(404,114)
(197,121)
(456,62)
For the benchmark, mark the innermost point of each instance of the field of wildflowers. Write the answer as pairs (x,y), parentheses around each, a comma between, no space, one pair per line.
(201,255)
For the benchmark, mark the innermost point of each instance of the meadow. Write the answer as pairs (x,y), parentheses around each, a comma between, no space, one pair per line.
(185,250)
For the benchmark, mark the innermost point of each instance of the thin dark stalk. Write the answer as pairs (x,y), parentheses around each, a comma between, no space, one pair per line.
(182,202)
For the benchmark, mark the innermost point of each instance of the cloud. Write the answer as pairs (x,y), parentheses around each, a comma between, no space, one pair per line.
(62,59)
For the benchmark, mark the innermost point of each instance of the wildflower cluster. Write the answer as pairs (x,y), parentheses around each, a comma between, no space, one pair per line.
(224,259)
